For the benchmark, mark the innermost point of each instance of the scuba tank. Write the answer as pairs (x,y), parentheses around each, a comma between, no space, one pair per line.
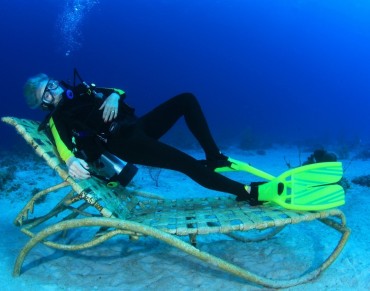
(119,170)
(110,168)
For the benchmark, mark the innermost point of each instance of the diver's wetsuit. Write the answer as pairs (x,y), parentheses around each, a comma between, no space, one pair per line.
(139,144)
(136,140)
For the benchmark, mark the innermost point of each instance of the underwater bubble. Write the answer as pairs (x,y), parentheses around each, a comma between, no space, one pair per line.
(69,23)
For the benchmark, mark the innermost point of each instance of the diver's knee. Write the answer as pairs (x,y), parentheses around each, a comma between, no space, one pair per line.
(187,98)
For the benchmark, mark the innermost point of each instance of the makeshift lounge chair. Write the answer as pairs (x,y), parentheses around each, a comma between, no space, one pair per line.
(121,211)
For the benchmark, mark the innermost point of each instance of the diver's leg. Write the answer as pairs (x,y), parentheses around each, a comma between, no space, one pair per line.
(143,150)
(158,121)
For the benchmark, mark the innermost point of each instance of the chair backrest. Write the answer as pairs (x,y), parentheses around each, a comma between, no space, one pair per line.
(111,202)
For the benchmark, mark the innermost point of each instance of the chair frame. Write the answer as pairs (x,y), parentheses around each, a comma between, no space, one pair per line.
(125,211)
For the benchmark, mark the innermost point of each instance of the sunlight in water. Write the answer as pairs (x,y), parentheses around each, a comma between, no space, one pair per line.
(70,21)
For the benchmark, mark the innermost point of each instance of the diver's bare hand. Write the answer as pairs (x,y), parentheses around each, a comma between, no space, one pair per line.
(110,107)
(78,168)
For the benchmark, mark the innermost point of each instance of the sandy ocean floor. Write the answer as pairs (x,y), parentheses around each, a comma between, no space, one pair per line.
(147,264)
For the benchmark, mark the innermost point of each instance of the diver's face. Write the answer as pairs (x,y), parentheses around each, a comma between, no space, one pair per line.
(49,92)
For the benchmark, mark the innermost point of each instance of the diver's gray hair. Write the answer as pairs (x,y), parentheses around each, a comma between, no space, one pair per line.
(30,89)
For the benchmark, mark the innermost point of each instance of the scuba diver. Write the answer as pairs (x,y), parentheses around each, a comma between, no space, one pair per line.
(86,121)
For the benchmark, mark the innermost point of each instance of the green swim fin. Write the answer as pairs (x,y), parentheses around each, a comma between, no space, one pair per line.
(310,187)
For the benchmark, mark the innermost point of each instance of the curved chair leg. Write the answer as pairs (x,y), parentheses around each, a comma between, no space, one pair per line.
(178,243)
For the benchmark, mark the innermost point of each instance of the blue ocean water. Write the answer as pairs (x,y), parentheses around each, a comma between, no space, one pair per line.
(264,71)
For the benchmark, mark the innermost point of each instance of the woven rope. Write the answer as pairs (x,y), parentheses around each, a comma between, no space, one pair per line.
(217,215)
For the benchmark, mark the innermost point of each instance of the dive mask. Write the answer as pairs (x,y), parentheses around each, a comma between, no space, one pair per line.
(49,94)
